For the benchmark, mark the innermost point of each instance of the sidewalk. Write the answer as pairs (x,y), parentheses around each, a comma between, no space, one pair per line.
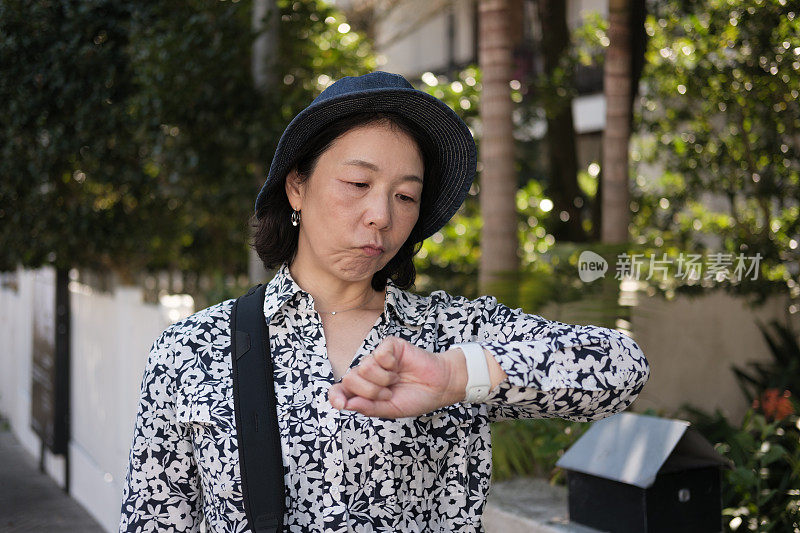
(529,505)
(30,500)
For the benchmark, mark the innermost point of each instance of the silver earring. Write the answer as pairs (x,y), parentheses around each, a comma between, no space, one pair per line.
(295,217)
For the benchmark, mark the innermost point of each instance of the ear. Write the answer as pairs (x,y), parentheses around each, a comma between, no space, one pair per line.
(294,190)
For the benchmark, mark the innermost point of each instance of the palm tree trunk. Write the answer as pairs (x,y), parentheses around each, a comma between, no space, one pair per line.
(265,47)
(617,88)
(498,180)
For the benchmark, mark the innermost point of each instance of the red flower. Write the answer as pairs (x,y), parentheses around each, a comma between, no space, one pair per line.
(774,404)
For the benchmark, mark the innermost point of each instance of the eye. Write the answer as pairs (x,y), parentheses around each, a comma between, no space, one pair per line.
(358,184)
(406,198)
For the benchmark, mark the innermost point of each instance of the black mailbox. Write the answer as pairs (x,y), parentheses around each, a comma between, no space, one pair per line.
(632,473)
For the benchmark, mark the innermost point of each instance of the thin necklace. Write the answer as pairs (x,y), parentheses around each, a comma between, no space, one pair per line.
(341,310)
(337,312)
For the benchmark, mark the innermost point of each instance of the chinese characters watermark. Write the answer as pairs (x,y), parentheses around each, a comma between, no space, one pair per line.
(717,266)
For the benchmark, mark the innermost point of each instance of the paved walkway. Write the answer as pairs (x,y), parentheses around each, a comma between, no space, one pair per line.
(30,500)
(529,505)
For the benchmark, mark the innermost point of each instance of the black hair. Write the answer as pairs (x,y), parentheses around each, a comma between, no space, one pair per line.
(275,239)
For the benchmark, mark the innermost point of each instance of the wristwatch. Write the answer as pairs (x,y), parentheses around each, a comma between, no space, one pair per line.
(478,381)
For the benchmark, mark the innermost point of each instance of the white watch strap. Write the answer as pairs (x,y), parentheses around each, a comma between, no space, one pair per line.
(478,380)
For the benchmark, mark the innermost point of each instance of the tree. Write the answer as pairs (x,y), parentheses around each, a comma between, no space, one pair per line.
(265,20)
(498,179)
(449,259)
(561,146)
(195,62)
(72,191)
(203,123)
(720,118)
(129,131)
(616,135)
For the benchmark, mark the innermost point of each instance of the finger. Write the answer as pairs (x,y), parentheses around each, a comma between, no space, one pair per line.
(359,386)
(373,372)
(386,354)
(362,405)
(337,396)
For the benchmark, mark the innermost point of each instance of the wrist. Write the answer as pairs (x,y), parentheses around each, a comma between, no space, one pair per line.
(457,370)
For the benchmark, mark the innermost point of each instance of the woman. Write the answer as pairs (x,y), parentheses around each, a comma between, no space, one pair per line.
(384,397)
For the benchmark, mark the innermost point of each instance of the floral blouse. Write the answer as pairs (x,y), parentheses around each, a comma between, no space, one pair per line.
(344,471)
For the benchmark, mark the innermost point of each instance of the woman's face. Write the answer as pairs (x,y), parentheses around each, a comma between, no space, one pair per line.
(360,203)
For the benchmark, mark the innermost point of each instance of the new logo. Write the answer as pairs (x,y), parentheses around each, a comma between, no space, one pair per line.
(591,266)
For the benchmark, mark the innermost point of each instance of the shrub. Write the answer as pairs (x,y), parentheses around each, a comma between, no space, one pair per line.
(762,492)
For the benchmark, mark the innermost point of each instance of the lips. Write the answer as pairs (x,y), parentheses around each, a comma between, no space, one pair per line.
(372,249)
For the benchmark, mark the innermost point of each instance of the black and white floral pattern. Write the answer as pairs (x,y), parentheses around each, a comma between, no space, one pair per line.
(345,471)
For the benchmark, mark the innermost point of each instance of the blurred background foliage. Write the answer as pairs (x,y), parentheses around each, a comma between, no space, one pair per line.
(762,491)
(137,127)
(719,124)
(532,447)
(122,117)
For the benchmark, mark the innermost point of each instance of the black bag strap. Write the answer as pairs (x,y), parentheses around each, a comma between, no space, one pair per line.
(255,406)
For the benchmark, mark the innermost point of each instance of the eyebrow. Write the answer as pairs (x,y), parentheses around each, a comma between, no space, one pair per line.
(374,167)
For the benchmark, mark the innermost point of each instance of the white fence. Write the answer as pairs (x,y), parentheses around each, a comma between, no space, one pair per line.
(690,344)
(111,337)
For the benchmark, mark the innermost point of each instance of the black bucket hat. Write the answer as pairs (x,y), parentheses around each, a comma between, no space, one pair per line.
(384,91)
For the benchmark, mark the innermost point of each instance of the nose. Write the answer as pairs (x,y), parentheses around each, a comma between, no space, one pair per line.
(378,214)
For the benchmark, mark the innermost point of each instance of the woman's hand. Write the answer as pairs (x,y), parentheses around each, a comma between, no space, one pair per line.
(399,379)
